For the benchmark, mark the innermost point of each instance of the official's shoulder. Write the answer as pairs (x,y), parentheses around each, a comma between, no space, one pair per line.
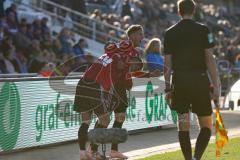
(201,25)
(171,28)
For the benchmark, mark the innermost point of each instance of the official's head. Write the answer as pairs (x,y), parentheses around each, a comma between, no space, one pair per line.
(186,7)
(135,34)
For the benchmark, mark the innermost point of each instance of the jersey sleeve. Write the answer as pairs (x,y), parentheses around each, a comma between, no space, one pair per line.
(208,39)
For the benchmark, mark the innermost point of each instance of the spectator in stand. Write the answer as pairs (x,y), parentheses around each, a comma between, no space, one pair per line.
(37,30)
(111,35)
(22,61)
(21,39)
(12,24)
(9,59)
(44,28)
(137,11)
(37,62)
(96,14)
(127,20)
(30,31)
(47,43)
(78,48)
(57,48)
(23,21)
(65,40)
(126,9)
(34,50)
(12,10)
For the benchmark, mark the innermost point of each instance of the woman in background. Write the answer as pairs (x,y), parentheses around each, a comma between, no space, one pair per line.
(153,56)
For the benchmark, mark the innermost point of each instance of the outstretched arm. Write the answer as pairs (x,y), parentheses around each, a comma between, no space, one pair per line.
(167,70)
(212,70)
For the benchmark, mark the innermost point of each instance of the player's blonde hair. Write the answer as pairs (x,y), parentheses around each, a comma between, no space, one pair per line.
(133,28)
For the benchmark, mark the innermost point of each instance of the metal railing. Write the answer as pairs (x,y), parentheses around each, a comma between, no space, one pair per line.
(81,23)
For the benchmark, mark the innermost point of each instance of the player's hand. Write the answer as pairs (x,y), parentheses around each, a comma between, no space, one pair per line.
(155,73)
(216,95)
(168,98)
(128,76)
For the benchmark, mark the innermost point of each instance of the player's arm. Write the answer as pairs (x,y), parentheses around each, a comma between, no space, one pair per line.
(138,73)
(213,73)
(167,70)
(142,74)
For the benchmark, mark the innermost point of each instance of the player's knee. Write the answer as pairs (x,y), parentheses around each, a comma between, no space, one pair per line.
(207,125)
(120,117)
(184,126)
(104,120)
(183,122)
(88,122)
(205,122)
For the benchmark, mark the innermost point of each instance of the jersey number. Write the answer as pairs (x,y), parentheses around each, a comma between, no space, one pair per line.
(106,60)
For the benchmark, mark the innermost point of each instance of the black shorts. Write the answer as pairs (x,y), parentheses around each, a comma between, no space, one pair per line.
(91,97)
(191,93)
(120,92)
(88,97)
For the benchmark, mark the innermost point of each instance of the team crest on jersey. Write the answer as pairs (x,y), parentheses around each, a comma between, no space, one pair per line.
(210,38)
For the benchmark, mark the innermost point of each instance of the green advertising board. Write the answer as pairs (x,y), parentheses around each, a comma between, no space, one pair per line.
(32,113)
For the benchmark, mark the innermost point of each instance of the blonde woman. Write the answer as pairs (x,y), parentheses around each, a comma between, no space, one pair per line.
(153,55)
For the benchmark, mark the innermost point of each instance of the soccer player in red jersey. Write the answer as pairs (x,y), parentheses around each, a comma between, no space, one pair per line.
(106,77)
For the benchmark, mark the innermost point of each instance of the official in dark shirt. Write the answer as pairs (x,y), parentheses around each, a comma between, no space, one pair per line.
(189,59)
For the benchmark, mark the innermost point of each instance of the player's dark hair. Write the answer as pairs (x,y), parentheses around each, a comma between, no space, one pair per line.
(186,7)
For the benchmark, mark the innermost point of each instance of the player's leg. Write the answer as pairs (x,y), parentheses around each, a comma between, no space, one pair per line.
(87,97)
(205,123)
(184,136)
(120,115)
(202,107)
(83,135)
(204,113)
(182,103)
(118,122)
(103,120)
